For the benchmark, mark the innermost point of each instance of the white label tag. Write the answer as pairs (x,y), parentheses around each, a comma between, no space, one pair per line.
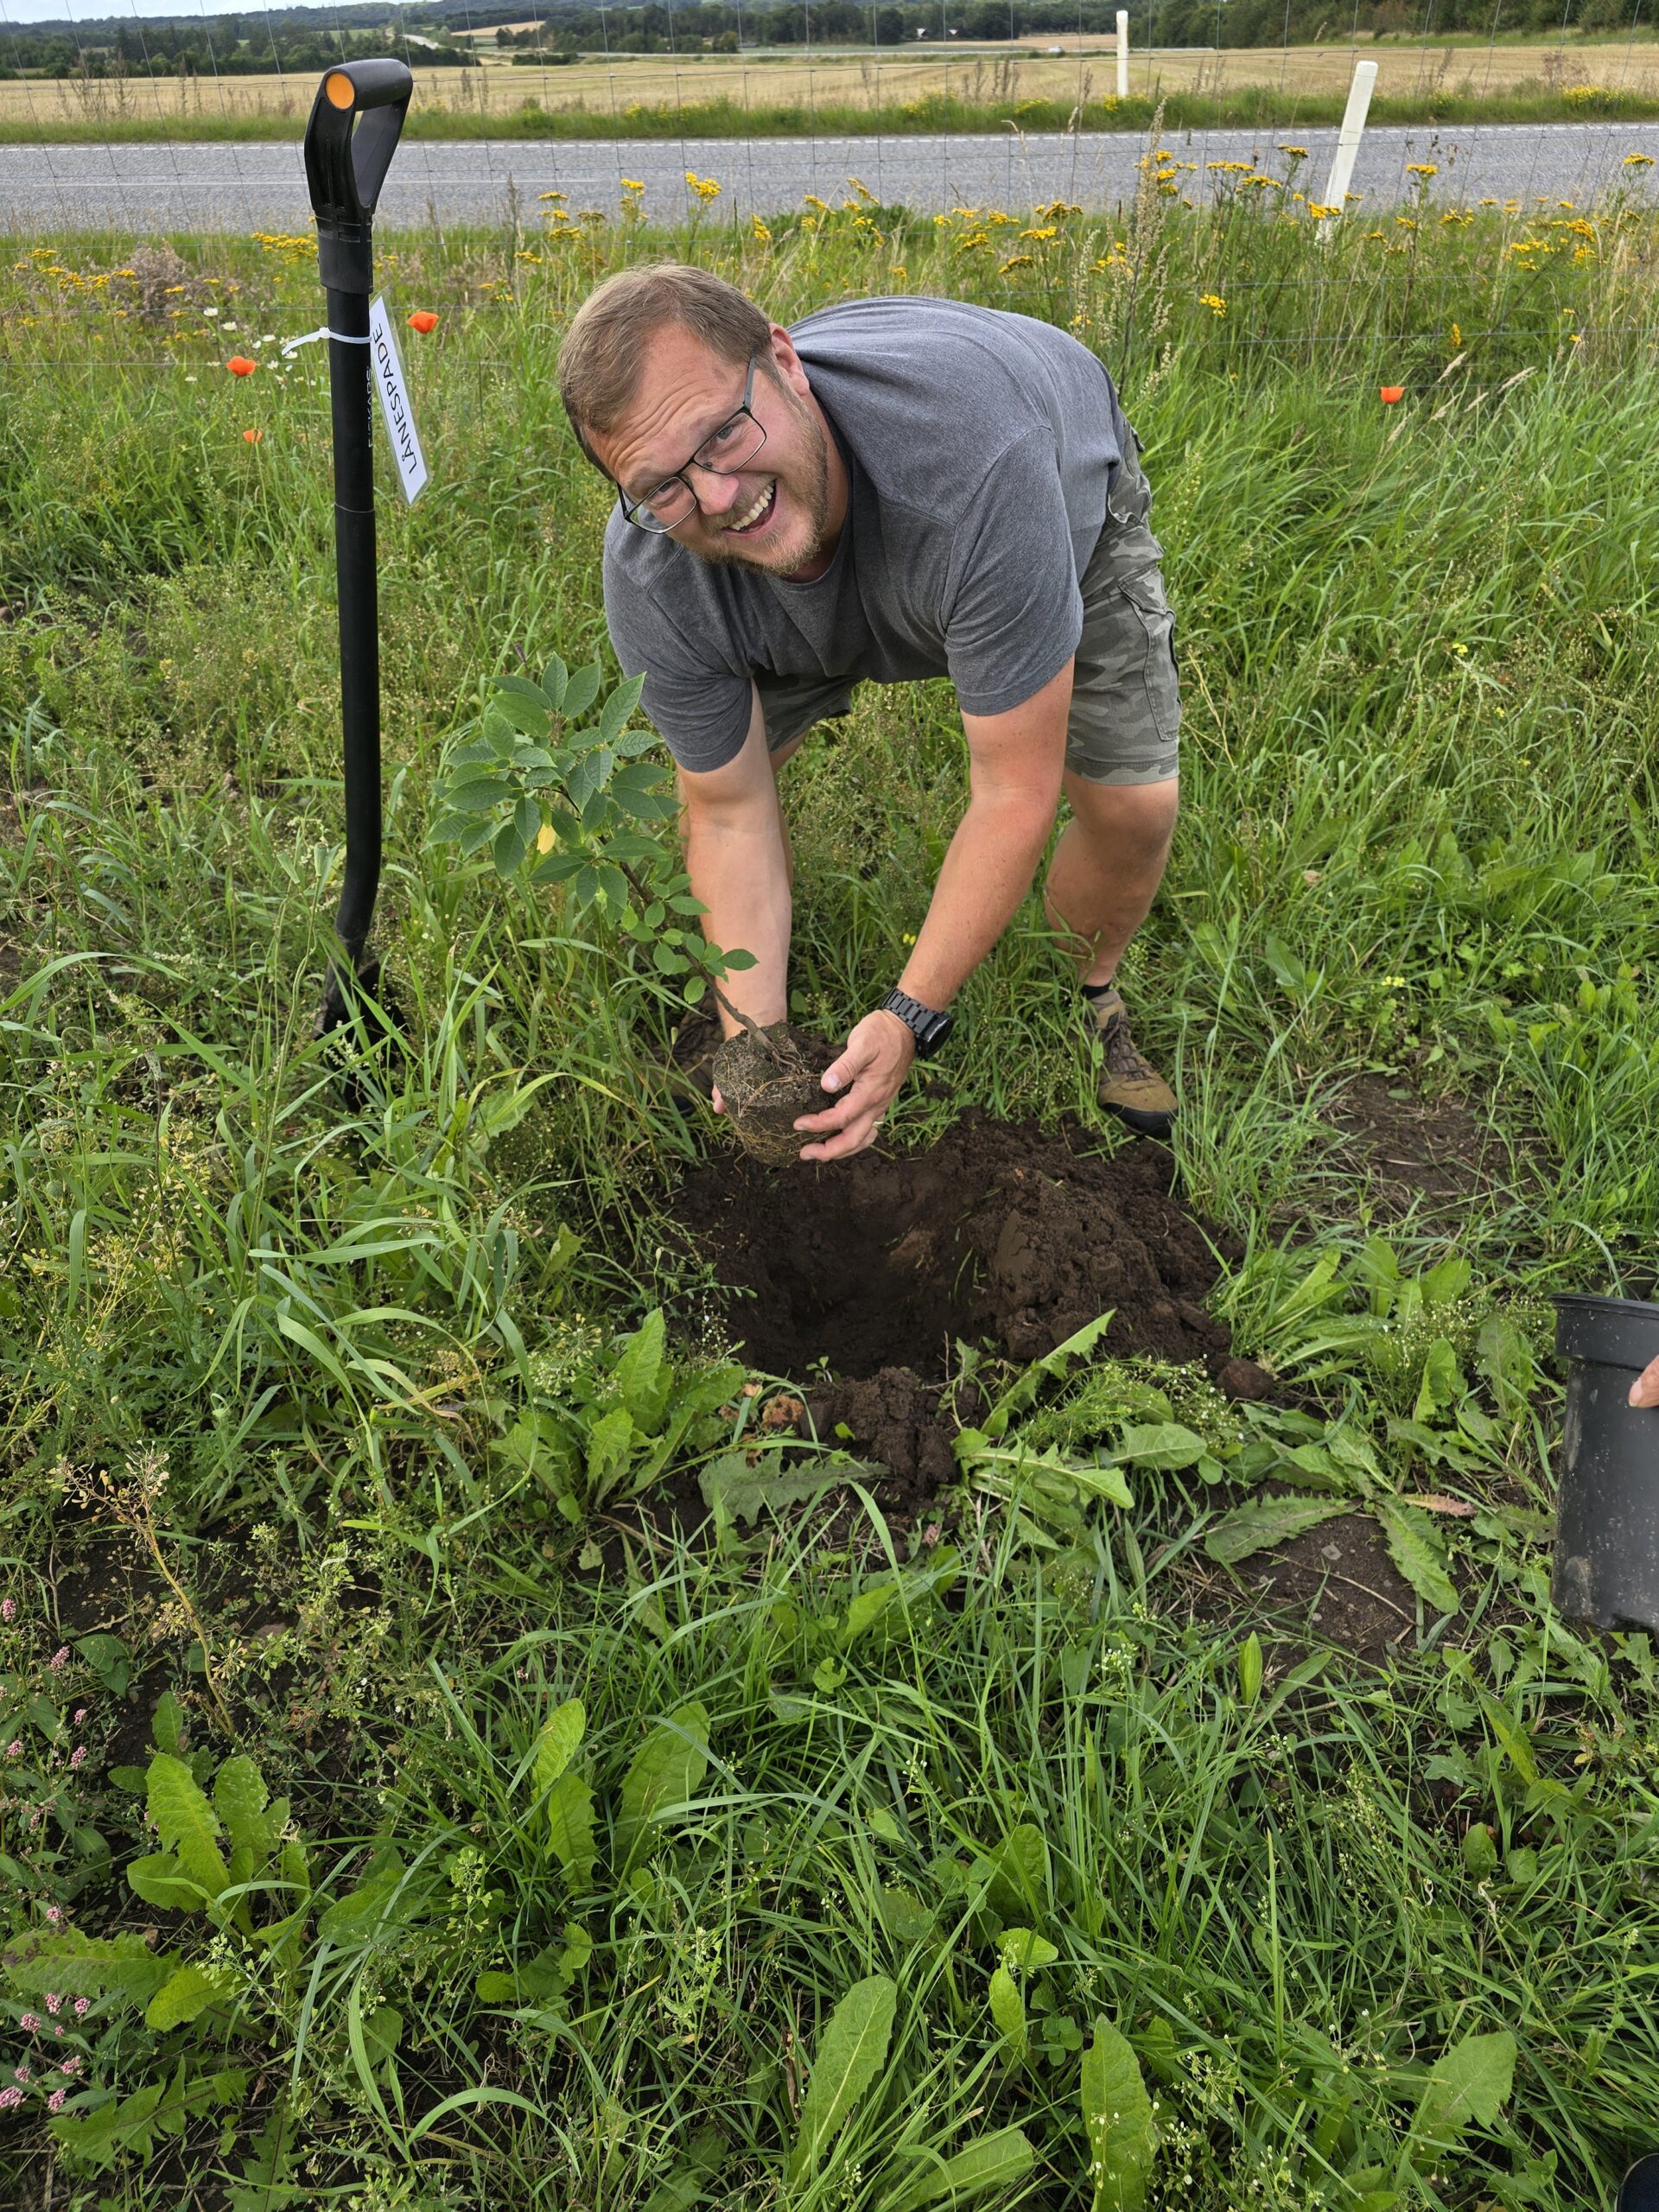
(387,370)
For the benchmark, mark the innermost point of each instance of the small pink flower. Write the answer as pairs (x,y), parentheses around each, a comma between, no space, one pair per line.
(53,2000)
(14,1748)
(83,2006)
(59,1658)
(30,2024)
(9,2098)
(54,2102)
(80,1714)
(20,2074)
(72,2066)
(53,1915)
(8,1609)
(76,1755)
(57,2031)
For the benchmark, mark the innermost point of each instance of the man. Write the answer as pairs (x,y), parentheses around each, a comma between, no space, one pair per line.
(897,488)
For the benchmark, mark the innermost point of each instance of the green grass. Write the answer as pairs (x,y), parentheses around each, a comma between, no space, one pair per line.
(264,1336)
(1240,107)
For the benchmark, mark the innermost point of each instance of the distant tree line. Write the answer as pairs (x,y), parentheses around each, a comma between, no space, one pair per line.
(224,46)
(724,25)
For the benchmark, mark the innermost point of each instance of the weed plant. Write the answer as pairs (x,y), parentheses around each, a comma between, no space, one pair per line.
(391,1816)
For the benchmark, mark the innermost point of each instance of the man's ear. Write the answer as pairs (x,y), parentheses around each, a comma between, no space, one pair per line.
(786,362)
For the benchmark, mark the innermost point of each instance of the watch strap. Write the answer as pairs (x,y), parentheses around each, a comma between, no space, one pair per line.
(926,1023)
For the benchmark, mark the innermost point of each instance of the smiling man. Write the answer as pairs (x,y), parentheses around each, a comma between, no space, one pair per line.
(896,488)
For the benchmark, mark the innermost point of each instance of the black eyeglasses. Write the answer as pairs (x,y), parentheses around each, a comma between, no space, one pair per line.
(730,448)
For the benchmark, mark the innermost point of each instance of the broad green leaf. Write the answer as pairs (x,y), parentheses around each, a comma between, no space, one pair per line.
(161,1881)
(360,1914)
(667,1770)
(1008,2010)
(184,1995)
(1025,1949)
(239,1799)
(1250,1669)
(851,2052)
(610,1447)
(1444,1285)
(1164,1446)
(1018,1873)
(85,1965)
(1117,2118)
(556,677)
(557,1743)
(1418,1550)
(510,845)
(167,1723)
(580,691)
(186,1822)
(733,1489)
(1442,1384)
(123,2124)
(1468,2086)
(866,1608)
(478,794)
(617,708)
(994,2161)
(642,1374)
(1266,1522)
(526,710)
(570,1830)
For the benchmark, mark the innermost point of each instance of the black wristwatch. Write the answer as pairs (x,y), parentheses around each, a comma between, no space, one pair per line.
(928,1028)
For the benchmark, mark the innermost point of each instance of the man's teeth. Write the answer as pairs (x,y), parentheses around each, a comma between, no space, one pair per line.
(745,522)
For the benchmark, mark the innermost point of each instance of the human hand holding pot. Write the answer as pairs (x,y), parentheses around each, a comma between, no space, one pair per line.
(1644,1391)
(871,1069)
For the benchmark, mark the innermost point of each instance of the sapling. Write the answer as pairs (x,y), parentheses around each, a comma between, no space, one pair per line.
(551,779)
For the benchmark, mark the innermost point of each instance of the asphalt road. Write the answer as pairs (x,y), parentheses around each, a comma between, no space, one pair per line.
(53,190)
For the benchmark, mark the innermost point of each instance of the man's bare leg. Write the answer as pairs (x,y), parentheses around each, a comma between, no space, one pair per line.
(1105,874)
(1107,869)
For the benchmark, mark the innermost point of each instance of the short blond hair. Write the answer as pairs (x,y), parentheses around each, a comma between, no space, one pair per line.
(600,360)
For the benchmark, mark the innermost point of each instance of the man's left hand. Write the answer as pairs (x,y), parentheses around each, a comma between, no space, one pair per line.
(869,1074)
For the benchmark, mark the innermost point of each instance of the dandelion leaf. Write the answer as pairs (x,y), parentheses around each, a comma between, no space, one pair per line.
(1008,2010)
(851,2052)
(994,2161)
(570,1830)
(668,1769)
(1117,2119)
(185,1823)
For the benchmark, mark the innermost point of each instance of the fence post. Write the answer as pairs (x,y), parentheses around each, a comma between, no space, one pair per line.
(1353,125)
(1123,54)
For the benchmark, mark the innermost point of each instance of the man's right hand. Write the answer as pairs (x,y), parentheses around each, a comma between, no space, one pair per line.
(1644,1391)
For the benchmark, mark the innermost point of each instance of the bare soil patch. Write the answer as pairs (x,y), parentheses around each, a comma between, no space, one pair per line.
(1335,1584)
(1440,1156)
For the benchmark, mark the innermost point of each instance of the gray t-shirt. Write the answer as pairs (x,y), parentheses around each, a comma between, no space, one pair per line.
(980,449)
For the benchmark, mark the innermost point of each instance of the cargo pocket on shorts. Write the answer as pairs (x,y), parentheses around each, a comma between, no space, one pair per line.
(1145,594)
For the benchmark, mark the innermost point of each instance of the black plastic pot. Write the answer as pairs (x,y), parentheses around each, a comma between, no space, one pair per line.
(1607,1538)
(1640,2190)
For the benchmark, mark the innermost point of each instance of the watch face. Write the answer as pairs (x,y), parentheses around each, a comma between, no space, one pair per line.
(931,1033)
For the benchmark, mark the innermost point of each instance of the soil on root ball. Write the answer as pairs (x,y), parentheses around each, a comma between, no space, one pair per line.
(1006,1236)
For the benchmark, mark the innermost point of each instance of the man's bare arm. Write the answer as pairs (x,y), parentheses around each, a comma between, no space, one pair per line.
(1016,760)
(737,856)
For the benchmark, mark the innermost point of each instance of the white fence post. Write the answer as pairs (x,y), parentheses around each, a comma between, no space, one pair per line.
(1123,54)
(1353,124)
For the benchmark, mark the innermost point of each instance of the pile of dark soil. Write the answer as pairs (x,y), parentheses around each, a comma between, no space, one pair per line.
(1007,1236)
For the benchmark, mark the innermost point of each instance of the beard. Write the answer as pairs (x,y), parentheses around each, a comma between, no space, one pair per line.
(811,495)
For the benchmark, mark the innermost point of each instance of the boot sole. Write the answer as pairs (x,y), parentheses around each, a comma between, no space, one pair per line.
(1142,1122)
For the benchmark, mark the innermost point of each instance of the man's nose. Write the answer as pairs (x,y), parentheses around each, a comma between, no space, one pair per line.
(717,494)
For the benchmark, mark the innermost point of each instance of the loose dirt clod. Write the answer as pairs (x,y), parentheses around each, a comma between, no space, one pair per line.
(1002,1235)
(767,1077)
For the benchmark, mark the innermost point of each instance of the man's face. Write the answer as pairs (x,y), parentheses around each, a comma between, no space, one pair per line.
(774,512)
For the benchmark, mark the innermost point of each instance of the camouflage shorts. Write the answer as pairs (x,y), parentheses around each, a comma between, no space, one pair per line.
(1126,709)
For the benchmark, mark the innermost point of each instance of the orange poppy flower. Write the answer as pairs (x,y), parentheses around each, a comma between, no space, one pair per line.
(253,436)
(1389,392)
(423,320)
(240,365)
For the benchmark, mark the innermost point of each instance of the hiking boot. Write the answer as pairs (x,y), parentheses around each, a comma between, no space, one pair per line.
(1130,1086)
